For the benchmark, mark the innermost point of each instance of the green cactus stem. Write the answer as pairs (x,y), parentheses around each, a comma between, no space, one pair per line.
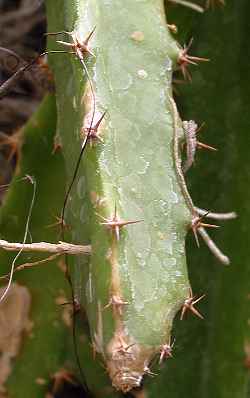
(129,200)
(136,279)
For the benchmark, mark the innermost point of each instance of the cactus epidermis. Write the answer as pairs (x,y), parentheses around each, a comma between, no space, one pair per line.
(136,279)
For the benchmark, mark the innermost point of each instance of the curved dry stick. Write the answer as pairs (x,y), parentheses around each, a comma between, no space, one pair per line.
(212,246)
(9,83)
(216,216)
(29,265)
(188,4)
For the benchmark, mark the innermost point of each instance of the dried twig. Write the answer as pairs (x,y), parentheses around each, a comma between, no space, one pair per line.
(188,4)
(60,247)
(29,265)
(216,216)
(212,246)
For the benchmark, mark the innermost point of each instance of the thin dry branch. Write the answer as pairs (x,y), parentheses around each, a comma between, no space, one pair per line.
(30,265)
(188,4)
(60,247)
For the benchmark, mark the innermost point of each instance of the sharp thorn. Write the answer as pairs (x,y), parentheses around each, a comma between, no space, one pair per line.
(205,146)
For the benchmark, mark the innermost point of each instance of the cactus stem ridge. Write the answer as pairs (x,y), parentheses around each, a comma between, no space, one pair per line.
(185,59)
(79,50)
(189,304)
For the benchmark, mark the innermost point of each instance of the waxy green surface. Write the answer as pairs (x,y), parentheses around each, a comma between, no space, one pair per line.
(132,170)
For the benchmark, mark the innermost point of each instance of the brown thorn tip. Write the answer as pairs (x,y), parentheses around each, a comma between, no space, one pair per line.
(189,305)
(100,120)
(123,348)
(166,351)
(200,127)
(84,45)
(185,59)
(173,28)
(92,131)
(197,223)
(115,223)
(89,36)
(148,372)
(196,237)
(208,225)
(60,377)
(65,43)
(117,303)
(205,146)
(59,223)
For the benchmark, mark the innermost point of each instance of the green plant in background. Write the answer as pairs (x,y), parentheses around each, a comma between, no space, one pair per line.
(129,199)
(44,287)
